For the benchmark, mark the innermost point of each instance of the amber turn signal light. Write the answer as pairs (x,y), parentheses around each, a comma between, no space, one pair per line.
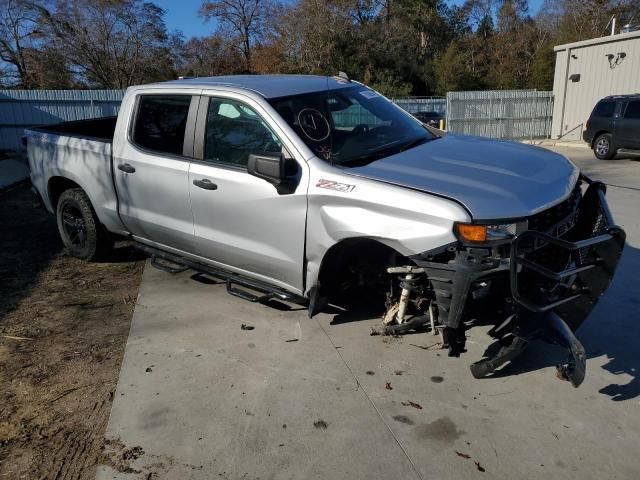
(472,233)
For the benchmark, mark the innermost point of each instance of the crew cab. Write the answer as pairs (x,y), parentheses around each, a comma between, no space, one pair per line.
(614,126)
(319,190)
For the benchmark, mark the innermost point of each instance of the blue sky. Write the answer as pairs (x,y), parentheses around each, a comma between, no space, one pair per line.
(183,15)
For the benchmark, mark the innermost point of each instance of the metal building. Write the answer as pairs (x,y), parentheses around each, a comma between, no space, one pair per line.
(588,71)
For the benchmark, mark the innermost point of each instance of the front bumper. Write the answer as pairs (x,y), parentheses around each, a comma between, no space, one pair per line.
(549,281)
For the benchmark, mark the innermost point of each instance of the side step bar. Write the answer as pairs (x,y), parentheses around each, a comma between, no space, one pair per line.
(160,259)
(627,151)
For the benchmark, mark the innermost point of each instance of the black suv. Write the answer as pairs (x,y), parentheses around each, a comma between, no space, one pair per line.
(614,125)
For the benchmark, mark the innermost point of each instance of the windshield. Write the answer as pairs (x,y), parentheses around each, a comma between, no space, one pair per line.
(350,126)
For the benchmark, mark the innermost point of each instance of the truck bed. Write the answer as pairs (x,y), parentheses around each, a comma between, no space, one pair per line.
(96,128)
(79,152)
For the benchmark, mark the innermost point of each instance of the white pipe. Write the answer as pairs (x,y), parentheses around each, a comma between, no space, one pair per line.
(404,299)
(613,26)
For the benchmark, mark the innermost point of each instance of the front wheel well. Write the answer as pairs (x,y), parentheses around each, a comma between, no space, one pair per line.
(57,186)
(353,271)
(597,134)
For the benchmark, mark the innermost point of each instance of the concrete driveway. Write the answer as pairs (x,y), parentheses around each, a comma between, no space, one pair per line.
(300,398)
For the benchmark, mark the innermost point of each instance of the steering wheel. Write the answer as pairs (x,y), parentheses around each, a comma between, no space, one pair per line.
(361,128)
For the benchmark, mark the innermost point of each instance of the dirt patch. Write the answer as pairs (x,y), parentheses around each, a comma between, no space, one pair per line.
(63,328)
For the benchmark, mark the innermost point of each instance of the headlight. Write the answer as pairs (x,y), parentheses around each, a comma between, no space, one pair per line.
(475,233)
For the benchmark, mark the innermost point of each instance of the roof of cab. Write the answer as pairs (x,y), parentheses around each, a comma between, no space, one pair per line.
(624,96)
(269,86)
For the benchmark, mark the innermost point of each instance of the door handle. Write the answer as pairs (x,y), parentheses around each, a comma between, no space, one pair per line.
(126,168)
(205,184)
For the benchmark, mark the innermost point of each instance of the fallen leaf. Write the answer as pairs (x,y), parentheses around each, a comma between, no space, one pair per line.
(388,386)
(463,455)
(479,467)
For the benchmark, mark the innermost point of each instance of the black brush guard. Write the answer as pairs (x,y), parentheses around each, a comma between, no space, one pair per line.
(593,250)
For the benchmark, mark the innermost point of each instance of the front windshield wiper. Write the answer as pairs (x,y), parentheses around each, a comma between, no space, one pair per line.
(416,142)
(370,156)
(383,151)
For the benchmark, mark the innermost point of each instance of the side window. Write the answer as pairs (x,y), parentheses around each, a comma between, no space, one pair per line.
(604,109)
(160,122)
(233,131)
(633,109)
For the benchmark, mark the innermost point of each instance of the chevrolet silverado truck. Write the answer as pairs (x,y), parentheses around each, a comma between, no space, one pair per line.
(320,191)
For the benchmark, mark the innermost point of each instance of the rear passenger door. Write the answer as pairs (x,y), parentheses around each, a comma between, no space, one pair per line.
(628,131)
(151,170)
(242,222)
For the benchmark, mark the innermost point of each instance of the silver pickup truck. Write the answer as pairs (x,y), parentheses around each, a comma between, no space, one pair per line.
(319,190)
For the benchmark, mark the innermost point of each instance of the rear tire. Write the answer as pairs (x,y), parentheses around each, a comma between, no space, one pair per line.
(79,227)
(603,147)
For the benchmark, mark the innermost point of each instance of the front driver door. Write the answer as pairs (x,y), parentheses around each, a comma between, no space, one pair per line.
(240,221)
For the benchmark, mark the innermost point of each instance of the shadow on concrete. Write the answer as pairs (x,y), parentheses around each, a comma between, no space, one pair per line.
(354,314)
(624,156)
(612,330)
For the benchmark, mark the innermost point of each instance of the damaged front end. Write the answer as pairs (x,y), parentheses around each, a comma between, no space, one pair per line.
(537,278)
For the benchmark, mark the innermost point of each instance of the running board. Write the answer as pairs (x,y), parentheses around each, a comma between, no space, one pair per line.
(181,263)
(167,265)
(245,295)
(627,151)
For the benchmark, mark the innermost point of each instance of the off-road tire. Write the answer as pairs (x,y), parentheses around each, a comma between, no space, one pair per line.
(603,147)
(74,213)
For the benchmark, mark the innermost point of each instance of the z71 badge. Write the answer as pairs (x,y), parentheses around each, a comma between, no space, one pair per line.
(333,185)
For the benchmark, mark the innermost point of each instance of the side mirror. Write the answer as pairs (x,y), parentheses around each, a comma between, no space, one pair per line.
(268,166)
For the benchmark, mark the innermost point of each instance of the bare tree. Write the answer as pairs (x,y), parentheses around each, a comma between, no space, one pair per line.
(207,56)
(20,32)
(242,18)
(112,43)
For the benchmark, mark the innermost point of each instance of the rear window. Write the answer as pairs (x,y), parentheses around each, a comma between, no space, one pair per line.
(604,109)
(633,109)
(160,123)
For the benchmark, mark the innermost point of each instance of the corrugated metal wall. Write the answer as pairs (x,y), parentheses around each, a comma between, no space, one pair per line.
(24,108)
(415,105)
(508,114)
(603,71)
(357,114)
(511,114)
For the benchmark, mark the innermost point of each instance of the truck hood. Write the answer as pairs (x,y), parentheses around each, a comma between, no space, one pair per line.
(492,179)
